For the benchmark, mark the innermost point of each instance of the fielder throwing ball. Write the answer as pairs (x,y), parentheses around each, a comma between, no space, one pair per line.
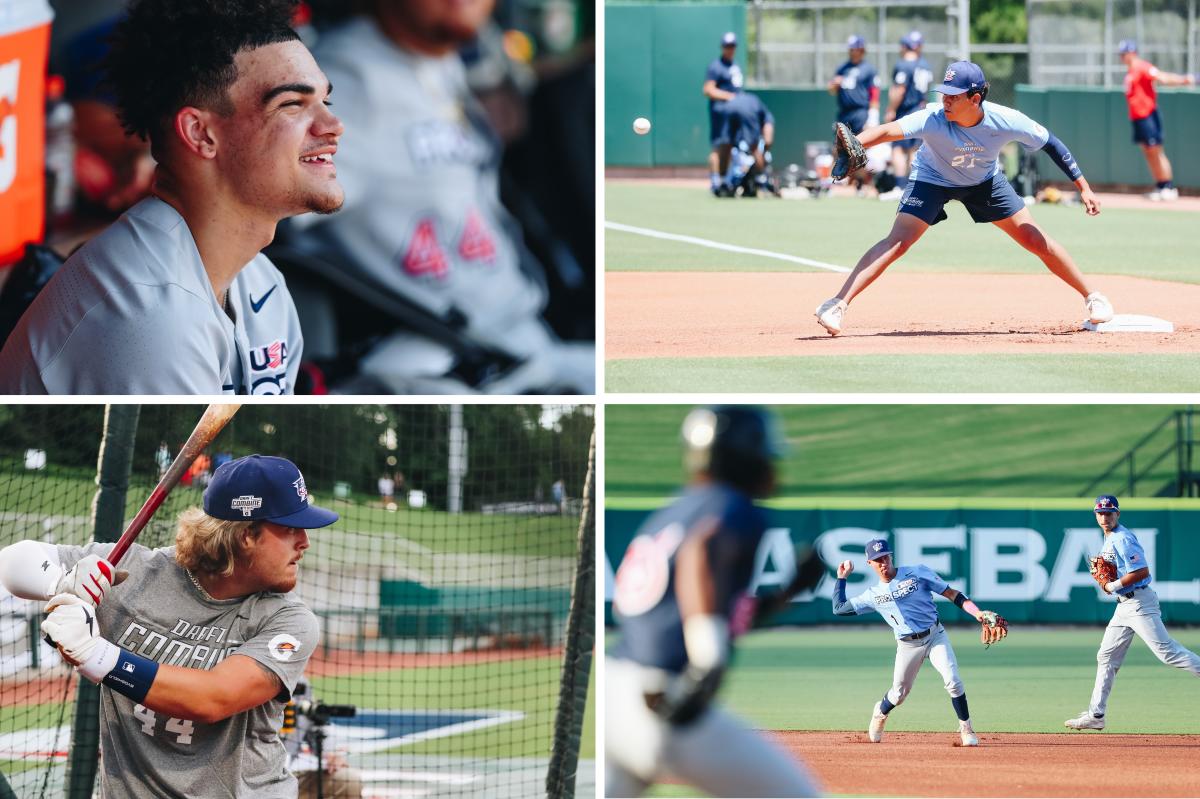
(904,598)
(677,589)
(199,649)
(1121,570)
(959,160)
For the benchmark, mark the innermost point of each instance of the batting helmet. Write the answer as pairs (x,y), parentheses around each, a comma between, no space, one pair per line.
(733,444)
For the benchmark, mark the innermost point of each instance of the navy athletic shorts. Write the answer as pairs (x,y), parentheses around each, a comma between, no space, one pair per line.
(718,124)
(855,119)
(990,201)
(1148,130)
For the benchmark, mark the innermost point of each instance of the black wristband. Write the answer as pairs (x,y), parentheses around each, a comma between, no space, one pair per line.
(961,599)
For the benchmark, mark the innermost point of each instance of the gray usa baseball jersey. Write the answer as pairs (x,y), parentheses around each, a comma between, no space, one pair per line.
(133,312)
(160,614)
(422,216)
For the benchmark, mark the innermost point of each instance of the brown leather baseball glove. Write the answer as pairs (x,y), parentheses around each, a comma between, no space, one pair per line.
(1103,571)
(849,155)
(995,628)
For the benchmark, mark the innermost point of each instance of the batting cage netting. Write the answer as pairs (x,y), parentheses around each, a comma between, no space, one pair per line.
(454,594)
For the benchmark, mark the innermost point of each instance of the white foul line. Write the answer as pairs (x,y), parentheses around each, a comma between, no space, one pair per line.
(716,245)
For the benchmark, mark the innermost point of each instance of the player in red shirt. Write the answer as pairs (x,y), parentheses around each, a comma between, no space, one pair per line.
(1143,111)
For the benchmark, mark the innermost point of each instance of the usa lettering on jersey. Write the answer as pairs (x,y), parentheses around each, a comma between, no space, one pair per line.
(268,368)
(645,571)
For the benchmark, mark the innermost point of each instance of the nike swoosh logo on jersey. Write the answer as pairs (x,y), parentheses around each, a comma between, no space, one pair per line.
(257,306)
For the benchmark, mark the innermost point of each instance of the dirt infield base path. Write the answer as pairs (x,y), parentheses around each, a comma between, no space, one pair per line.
(713,314)
(1004,764)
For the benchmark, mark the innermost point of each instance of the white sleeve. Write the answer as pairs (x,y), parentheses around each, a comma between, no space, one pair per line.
(30,569)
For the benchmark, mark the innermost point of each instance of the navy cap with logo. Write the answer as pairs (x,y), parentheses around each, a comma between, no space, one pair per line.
(877,548)
(1106,503)
(263,488)
(962,77)
(729,39)
(856,42)
(912,40)
(1127,46)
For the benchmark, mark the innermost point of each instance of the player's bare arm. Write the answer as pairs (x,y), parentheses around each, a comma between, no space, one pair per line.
(895,95)
(1174,79)
(711,91)
(881,134)
(236,684)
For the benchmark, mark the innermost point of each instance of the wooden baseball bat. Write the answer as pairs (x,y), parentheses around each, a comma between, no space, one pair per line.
(212,422)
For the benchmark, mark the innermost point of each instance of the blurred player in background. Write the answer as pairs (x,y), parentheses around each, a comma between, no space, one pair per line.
(679,598)
(175,297)
(752,131)
(1143,113)
(911,77)
(200,647)
(722,82)
(1137,613)
(856,86)
(959,161)
(423,219)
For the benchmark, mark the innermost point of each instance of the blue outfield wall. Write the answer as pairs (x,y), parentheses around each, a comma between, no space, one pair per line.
(1028,564)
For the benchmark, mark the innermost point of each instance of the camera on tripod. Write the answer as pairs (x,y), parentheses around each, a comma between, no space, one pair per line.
(319,713)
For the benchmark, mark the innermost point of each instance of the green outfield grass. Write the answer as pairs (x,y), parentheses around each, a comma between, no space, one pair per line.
(837,230)
(895,450)
(997,373)
(530,536)
(828,679)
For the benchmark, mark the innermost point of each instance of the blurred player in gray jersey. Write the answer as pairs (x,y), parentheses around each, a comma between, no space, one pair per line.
(175,298)
(200,647)
(423,220)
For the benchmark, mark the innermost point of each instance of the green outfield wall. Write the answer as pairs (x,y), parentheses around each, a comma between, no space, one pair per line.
(655,59)
(1028,563)
(1094,124)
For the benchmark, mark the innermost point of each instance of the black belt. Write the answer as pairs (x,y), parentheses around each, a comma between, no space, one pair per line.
(917,636)
(1126,597)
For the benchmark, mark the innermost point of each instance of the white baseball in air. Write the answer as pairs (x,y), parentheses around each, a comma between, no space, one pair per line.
(641,126)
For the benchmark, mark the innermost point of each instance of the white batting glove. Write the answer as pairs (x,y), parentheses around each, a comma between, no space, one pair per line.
(71,626)
(89,580)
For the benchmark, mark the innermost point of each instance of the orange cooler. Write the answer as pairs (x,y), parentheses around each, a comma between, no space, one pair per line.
(24,50)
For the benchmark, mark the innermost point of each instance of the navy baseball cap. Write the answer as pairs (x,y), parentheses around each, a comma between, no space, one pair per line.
(877,548)
(912,40)
(1127,46)
(263,488)
(729,39)
(856,42)
(962,77)
(1106,503)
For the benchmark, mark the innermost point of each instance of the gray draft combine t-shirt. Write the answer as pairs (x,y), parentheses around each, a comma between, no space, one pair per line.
(160,614)
(133,312)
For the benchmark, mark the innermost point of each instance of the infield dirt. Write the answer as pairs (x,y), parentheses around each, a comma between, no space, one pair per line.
(1004,764)
(697,314)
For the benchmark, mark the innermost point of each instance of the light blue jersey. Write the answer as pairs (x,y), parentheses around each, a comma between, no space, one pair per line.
(905,603)
(954,156)
(1122,548)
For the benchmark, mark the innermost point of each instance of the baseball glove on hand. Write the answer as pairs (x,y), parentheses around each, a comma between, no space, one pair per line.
(995,628)
(849,155)
(1103,571)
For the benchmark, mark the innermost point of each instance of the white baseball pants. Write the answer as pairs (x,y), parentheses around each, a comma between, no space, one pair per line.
(1139,616)
(716,753)
(911,654)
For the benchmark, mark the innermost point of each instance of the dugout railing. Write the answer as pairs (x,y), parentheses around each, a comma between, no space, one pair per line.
(1144,459)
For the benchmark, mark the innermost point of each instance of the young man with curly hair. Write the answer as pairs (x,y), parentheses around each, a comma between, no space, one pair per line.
(200,647)
(175,298)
